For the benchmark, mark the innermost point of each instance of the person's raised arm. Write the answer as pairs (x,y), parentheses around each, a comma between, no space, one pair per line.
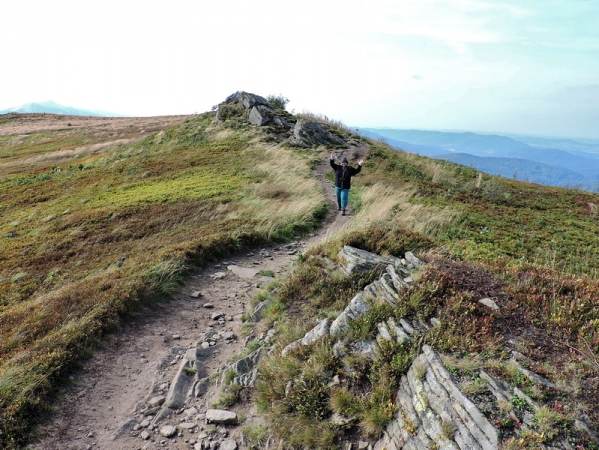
(332,161)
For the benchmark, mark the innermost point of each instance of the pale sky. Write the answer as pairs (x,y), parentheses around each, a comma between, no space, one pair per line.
(512,66)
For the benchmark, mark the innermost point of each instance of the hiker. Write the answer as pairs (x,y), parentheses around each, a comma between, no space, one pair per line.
(343,174)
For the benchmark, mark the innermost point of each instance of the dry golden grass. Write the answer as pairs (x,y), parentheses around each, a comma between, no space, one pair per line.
(286,195)
(388,204)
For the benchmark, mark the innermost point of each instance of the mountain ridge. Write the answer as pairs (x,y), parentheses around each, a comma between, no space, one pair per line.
(509,152)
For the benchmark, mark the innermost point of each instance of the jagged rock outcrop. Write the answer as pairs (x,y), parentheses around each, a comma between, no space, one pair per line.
(257,111)
(307,133)
(244,368)
(253,109)
(396,278)
(434,413)
(432,410)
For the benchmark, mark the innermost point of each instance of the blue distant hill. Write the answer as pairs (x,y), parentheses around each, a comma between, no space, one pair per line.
(554,162)
(51,107)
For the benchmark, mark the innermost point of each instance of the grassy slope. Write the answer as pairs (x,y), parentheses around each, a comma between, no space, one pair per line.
(99,233)
(529,247)
(157,204)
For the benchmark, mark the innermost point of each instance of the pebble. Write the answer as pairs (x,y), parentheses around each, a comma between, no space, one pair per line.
(168,431)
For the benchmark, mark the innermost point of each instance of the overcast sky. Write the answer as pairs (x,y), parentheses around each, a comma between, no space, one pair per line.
(512,66)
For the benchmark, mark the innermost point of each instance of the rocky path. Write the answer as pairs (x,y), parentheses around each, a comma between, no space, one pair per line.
(102,407)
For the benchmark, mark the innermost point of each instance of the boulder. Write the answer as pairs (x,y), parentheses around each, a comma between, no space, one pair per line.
(221,416)
(260,115)
(310,134)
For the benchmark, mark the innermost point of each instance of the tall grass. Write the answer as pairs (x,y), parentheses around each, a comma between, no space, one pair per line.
(286,198)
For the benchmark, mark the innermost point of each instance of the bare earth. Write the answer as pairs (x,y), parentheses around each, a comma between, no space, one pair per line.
(96,409)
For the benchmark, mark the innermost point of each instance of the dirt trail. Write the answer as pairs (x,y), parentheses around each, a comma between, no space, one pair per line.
(96,409)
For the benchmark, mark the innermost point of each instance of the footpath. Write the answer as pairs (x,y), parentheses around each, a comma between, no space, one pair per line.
(112,401)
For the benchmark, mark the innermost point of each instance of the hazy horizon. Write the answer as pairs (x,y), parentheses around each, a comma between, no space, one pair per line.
(592,141)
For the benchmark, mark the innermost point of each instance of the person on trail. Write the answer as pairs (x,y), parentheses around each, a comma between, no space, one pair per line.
(343,174)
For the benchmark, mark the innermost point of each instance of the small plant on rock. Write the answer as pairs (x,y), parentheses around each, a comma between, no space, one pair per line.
(448,428)
(190,370)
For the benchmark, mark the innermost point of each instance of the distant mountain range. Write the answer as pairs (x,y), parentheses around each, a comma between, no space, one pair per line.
(51,107)
(553,162)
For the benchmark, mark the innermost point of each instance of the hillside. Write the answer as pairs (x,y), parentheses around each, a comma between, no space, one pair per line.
(518,169)
(553,162)
(100,220)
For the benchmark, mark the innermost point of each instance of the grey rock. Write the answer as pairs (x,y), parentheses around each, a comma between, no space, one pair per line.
(535,378)
(260,115)
(127,426)
(414,260)
(309,134)
(339,350)
(425,403)
(398,280)
(156,401)
(489,303)
(168,430)
(291,346)
(228,444)
(183,380)
(582,424)
(191,412)
(257,313)
(150,411)
(358,307)
(244,367)
(367,348)
(357,260)
(221,416)
(247,99)
(320,330)
(247,379)
(200,387)
(339,420)
(229,336)
(407,326)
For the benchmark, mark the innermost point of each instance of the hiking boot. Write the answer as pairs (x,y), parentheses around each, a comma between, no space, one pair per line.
(339,208)
(343,213)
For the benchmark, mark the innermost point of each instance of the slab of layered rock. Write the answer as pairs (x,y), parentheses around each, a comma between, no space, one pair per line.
(427,397)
